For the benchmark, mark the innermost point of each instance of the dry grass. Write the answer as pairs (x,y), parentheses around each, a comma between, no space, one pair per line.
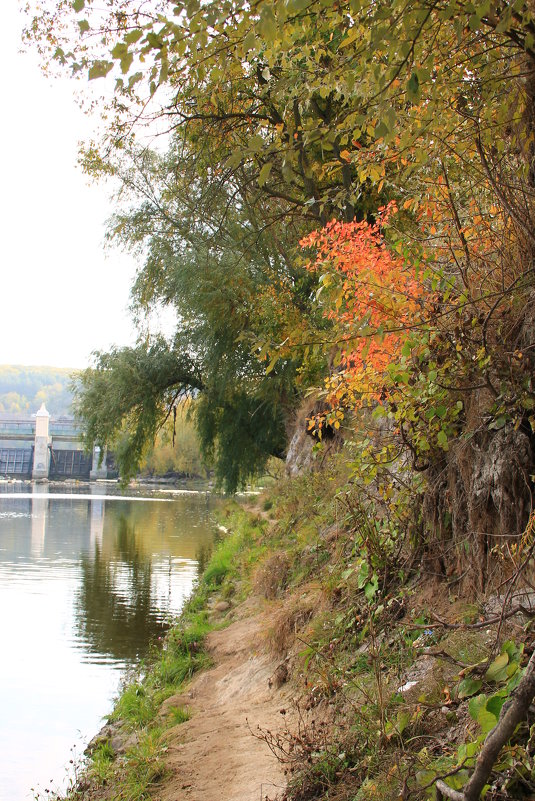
(288,620)
(271,578)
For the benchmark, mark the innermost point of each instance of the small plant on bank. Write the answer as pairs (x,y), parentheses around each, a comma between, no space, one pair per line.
(102,762)
(178,715)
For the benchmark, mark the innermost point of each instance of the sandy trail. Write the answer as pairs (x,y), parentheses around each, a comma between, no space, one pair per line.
(214,756)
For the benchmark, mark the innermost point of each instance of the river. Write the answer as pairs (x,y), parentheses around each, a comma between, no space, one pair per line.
(89,578)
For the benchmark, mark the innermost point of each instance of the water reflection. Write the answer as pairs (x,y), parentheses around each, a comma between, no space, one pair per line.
(117,611)
(90,580)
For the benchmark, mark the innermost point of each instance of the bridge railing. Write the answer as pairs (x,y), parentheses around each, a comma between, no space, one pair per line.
(22,427)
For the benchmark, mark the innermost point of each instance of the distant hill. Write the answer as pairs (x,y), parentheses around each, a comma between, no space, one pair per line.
(24,389)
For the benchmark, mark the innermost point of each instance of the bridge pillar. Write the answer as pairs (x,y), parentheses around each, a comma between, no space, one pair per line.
(98,467)
(41,453)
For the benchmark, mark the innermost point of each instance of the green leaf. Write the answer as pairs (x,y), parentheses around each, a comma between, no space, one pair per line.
(235,158)
(137,76)
(468,750)
(264,173)
(442,440)
(83,24)
(496,671)
(119,50)
(267,24)
(476,704)
(515,681)
(363,574)
(351,37)
(402,721)
(256,143)
(272,363)
(250,42)
(99,69)
(494,705)
(458,780)
(126,62)
(511,669)
(371,588)
(413,86)
(133,36)
(154,41)
(406,350)
(468,687)
(78,5)
(487,720)
(515,652)
(485,716)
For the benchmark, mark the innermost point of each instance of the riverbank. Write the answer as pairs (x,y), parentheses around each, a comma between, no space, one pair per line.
(213,716)
(317,660)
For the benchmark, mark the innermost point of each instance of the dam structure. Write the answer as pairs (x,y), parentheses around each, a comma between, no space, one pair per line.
(38,446)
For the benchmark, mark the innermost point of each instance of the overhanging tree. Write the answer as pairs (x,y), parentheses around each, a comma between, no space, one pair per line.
(314,109)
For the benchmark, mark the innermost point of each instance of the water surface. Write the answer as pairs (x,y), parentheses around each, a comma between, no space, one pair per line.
(87,580)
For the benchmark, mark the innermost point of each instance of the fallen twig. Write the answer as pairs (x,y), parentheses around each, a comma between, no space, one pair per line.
(491,621)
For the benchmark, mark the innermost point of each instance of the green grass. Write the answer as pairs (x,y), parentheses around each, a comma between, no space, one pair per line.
(179,714)
(145,768)
(102,759)
(135,706)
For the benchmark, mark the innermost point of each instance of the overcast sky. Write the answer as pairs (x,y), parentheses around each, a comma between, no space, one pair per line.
(61,295)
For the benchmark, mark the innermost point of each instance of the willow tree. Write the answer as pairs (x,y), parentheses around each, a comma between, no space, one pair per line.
(207,257)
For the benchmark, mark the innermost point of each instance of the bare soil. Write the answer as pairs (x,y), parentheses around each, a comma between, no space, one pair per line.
(215,756)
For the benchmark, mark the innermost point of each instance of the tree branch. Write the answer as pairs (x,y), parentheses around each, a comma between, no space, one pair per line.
(513,712)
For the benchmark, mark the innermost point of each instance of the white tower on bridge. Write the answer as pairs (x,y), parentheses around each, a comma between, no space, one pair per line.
(41,455)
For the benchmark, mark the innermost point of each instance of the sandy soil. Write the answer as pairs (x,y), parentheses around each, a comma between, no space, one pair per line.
(214,756)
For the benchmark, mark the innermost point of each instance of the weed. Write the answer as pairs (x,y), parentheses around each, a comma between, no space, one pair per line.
(287,621)
(202,556)
(314,757)
(145,768)
(135,706)
(226,558)
(178,714)
(102,759)
(272,575)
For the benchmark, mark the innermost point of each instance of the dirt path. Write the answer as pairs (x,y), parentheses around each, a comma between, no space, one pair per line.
(213,756)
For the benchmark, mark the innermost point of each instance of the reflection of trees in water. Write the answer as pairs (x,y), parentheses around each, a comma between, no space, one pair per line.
(115,611)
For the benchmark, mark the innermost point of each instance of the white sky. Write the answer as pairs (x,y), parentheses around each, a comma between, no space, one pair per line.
(61,296)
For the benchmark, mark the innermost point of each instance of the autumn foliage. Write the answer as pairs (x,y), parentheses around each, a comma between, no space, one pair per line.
(376,298)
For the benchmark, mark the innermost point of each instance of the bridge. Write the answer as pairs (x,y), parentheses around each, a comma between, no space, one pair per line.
(39,446)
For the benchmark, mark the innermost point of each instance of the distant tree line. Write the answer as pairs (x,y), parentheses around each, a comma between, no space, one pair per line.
(24,389)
